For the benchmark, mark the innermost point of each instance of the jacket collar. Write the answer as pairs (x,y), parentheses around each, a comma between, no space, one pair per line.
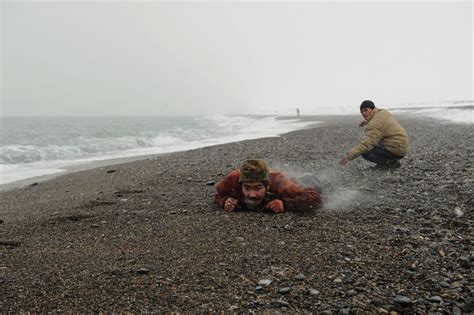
(375,110)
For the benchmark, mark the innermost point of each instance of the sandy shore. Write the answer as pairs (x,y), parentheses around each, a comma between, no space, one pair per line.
(145,236)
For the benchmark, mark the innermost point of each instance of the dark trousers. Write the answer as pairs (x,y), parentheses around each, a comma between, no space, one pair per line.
(381,155)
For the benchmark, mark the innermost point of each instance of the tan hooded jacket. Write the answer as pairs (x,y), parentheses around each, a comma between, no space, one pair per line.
(382,127)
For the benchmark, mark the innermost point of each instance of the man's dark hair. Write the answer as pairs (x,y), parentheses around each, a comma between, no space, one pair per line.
(367,104)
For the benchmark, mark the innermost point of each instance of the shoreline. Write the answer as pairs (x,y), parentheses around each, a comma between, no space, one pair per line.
(148,238)
(116,161)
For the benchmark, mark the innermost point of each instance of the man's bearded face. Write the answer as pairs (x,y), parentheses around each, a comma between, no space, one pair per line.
(254,193)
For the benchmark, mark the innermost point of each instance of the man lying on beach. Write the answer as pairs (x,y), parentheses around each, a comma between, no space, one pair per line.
(254,187)
(385,141)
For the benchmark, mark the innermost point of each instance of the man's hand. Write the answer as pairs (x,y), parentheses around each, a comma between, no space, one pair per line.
(276,206)
(230,204)
(344,160)
(362,123)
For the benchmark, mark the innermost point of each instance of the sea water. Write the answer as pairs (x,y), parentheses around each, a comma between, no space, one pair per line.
(35,146)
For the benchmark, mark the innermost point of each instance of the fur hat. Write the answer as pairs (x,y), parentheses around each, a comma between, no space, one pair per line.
(254,171)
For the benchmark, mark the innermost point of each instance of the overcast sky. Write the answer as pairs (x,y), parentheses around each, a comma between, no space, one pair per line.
(160,58)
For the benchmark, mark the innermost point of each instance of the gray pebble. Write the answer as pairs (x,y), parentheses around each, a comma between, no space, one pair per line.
(464,262)
(403,300)
(313,292)
(284,290)
(337,280)
(351,292)
(265,282)
(300,276)
(435,299)
(143,271)
(280,303)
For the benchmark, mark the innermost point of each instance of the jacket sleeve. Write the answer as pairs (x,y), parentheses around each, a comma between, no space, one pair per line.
(373,135)
(305,200)
(228,187)
(295,198)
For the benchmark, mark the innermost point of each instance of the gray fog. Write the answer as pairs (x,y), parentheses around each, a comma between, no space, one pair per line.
(166,58)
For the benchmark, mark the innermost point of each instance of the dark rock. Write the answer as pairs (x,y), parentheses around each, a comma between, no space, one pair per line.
(34,184)
(464,262)
(279,303)
(211,183)
(402,300)
(284,290)
(457,310)
(436,299)
(116,272)
(376,302)
(469,305)
(111,171)
(143,271)
(1,221)
(10,243)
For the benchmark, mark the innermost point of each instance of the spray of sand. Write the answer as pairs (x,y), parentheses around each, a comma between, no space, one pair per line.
(336,196)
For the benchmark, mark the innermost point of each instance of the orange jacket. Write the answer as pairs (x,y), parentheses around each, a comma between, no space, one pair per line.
(294,196)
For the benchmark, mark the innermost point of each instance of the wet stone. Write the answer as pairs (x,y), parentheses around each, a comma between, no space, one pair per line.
(402,300)
(435,299)
(211,183)
(284,290)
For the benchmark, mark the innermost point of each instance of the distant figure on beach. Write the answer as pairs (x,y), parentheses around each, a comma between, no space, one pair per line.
(254,187)
(385,141)
(298,112)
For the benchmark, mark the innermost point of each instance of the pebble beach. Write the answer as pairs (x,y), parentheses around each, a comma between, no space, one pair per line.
(145,236)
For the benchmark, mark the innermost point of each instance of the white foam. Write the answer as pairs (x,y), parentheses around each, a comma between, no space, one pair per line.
(455,115)
(32,161)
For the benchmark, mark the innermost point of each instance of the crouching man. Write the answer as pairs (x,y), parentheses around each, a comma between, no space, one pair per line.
(254,187)
(385,141)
